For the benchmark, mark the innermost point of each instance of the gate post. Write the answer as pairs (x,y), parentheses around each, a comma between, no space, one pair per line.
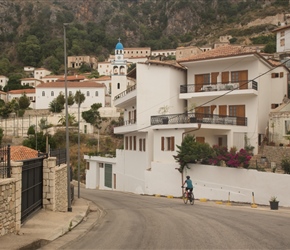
(16,173)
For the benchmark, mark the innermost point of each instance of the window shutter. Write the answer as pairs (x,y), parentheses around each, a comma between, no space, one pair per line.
(172,143)
(162,143)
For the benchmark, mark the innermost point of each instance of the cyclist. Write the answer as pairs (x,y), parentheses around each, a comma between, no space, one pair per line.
(188,183)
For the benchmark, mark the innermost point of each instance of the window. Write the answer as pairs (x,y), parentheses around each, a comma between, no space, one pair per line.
(126,142)
(167,143)
(282,33)
(282,42)
(43,93)
(134,143)
(85,129)
(118,85)
(275,75)
(88,93)
(142,145)
(69,93)
(52,93)
(96,93)
(274,105)
(130,142)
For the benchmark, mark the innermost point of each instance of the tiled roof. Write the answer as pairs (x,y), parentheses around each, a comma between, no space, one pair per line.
(172,63)
(22,91)
(281,28)
(223,51)
(52,76)
(72,78)
(103,78)
(84,84)
(19,153)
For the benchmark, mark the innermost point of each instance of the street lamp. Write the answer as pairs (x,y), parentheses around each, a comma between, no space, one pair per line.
(69,209)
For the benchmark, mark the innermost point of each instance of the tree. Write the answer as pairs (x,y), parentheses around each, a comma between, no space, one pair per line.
(92,116)
(55,106)
(31,130)
(79,98)
(71,120)
(29,51)
(70,100)
(186,152)
(24,102)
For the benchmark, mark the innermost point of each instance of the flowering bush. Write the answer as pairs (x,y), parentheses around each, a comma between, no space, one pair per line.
(232,158)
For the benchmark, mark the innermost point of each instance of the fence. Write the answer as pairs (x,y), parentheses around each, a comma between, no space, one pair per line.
(60,155)
(5,164)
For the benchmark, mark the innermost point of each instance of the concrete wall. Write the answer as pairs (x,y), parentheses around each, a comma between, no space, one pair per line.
(211,182)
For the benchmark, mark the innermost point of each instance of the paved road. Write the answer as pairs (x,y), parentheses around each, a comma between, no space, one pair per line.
(143,222)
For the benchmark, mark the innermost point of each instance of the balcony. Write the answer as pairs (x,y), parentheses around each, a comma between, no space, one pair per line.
(198,118)
(209,87)
(124,93)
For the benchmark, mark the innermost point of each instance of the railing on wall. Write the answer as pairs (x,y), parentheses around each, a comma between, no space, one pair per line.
(5,159)
(60,155)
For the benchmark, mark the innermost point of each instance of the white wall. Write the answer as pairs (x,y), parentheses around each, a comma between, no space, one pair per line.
(211,182)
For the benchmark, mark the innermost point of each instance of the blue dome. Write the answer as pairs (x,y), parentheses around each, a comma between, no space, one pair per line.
(119,46)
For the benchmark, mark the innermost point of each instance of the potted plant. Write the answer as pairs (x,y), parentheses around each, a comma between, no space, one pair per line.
(164,110)
(274,203)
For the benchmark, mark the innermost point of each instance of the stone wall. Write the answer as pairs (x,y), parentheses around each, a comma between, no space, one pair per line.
(274,155)
(54,186)
(10,201)
(54,194)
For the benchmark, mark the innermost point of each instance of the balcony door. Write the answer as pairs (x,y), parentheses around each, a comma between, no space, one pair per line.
(201,80)
(238,111)
(240,77)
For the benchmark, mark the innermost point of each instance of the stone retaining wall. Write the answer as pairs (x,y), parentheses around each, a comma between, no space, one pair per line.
(54,193)
(274,155)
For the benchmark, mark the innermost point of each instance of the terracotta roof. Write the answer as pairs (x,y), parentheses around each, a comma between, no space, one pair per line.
(281,28)
(223,51)
(72,78)
(84,84)
(103,78)
(52,76)
(19,153)
(27,79)
(22,91)
(172,63)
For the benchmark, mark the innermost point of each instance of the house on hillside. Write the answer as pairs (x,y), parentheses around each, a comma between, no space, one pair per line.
(3,81)
(76,62)
(222,96)
(31,82)
(40,72)
(47,92)
(17,93)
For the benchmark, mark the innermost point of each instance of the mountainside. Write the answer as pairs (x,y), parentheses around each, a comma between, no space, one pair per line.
(32,31)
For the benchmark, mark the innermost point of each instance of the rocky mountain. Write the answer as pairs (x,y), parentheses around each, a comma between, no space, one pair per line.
(31,31)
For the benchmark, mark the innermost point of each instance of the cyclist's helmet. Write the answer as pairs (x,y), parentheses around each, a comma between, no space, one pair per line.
(188,177)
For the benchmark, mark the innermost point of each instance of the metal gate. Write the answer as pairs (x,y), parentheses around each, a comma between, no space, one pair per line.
(32,178)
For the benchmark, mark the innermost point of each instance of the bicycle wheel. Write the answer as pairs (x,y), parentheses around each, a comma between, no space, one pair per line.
(192,199)
(185,197)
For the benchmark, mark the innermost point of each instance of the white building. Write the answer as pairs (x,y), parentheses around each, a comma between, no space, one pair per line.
(51,78)
(41,72)
(16,94)
(30,82)
(282,38)
(229,93)
(105,68)
(3,81)
(47,92)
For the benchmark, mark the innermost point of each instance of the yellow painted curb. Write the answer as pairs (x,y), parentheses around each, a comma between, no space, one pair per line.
(169,196)
(254,206)
(229,204)
(203,199)
(157,195)
(219,202)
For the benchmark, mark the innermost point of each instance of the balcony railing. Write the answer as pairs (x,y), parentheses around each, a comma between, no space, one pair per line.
(193,88)
(128,90)
(198,118)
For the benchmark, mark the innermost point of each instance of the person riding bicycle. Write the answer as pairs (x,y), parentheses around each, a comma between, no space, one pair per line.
(188,182)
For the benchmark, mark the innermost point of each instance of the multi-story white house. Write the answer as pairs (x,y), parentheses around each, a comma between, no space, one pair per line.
(105,68)
(41,72)
(3,81)
(222,96)
(47,92)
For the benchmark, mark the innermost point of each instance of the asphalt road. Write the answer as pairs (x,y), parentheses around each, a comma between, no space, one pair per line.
(132,221)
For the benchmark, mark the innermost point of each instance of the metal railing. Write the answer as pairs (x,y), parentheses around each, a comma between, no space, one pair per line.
(5,159)
(60,155)
(206,87)
(198,118)
(128,90)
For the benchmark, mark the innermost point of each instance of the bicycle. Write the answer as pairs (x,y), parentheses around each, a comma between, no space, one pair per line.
(188,196)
